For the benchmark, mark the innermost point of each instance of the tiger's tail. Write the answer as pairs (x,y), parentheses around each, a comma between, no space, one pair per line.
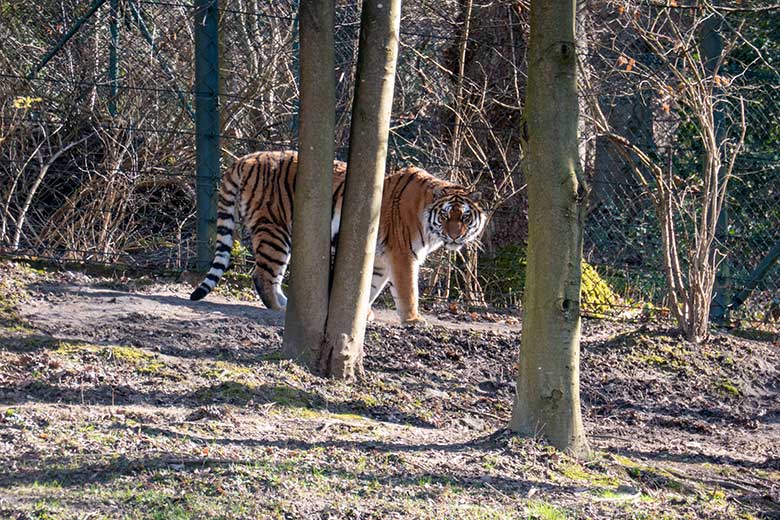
(226,223)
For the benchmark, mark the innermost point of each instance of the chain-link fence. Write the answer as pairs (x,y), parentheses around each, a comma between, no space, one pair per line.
(108,127)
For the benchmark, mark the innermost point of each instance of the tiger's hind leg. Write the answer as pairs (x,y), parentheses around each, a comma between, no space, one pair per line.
(272,254)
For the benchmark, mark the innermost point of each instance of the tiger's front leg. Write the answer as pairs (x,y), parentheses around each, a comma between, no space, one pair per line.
(403,276)
(379,279)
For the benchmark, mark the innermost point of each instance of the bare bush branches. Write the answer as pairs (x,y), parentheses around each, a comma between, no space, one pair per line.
(688,85)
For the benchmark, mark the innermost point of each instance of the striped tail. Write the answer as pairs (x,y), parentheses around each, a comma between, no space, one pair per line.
(226,222)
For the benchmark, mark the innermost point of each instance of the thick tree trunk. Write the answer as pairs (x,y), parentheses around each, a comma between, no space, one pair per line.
(548,401)
(307,307)
(342,356)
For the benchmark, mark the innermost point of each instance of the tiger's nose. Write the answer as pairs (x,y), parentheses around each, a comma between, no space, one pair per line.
(455,229)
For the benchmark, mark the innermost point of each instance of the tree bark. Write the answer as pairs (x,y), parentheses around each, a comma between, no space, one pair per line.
(307,307)
(342,355)
(547,401)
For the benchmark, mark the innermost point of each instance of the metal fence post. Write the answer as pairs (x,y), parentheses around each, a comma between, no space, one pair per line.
(756,276)
(207,126)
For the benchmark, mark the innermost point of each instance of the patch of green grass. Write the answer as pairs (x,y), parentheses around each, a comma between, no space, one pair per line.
(46,484)
(471,512)
(65,348)
(621,494)
(15,279)
(655,477)
(625,461)
(540,510)
(11,295)
(129,354)
(651,359)
(291,397)
(574,471)
(225,371)
(10,322)
(489,461)
(45,510)
(157,505)
(273,356)
(716,497)
(608,494)
(241,392)
(302,413)
(664,353)
(141,361)
(424,480)
(772,476)
(227,391)
(373,485)
(369,401)
(108,439)
(729,389)
(348,417)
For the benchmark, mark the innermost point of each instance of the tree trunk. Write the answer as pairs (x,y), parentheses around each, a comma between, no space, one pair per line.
(307,307)
(342,355)
(547,401)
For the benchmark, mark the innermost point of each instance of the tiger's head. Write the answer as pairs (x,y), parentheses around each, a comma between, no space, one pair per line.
(456,217)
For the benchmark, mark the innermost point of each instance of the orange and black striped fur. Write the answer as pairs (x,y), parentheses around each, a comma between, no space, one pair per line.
(419,214)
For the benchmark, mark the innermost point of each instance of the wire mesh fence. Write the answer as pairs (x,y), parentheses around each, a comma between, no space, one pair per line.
(102,149)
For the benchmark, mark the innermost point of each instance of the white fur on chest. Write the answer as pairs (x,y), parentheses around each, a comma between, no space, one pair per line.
(428,243)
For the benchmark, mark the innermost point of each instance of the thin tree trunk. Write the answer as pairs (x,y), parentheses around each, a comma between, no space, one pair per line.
(307,307)
(547,401)
(342,356)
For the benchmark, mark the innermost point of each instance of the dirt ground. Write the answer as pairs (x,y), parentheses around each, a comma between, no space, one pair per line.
(120,398)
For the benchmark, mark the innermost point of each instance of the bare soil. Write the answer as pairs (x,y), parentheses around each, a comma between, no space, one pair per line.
(120,398)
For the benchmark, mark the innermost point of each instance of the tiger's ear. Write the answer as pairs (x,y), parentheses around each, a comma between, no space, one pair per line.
(438,191)
(475,196)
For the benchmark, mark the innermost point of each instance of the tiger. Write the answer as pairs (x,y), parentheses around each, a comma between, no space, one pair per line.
(419,214)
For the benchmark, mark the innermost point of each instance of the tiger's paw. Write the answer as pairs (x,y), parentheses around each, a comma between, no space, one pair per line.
(414,321)
(370,316)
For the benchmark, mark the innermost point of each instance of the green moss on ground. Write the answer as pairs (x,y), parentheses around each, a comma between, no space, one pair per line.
(541,510)
(225,371)
(575,471)
(504,273)
(138,360)
(598,298)
(13,293)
